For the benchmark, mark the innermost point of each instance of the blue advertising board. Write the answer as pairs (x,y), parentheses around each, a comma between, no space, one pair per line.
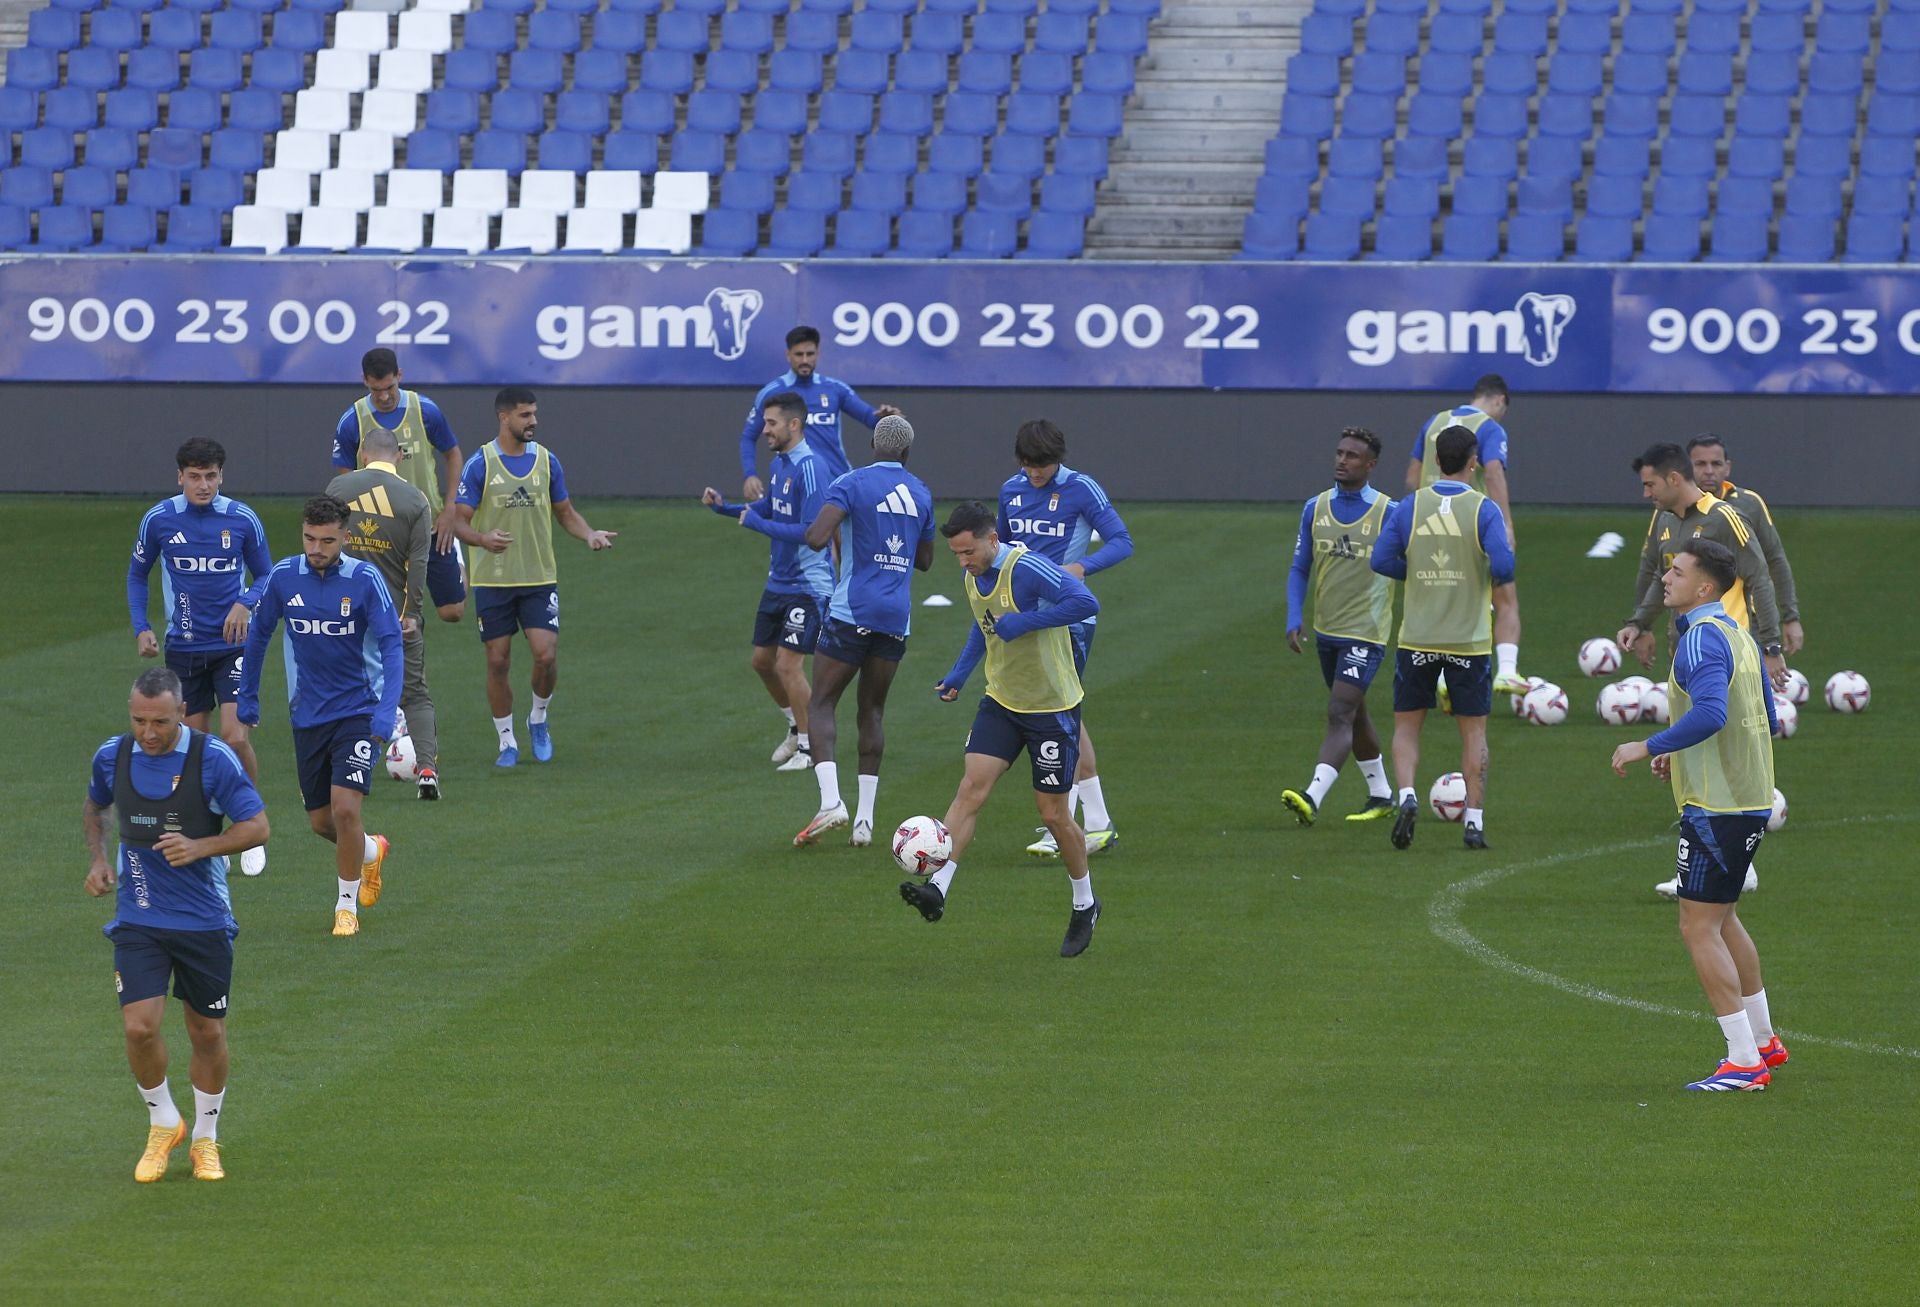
(635,322)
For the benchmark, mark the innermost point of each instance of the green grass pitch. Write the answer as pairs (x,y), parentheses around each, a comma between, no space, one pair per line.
(608,1038)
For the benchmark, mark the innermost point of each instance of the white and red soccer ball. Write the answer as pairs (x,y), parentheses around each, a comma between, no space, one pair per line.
(1848,692)
(922,845)
(1448,797)
(402,762)
(1618,704)
(1778,817)
(1655,706)
(1545,705)
(1520,699)
(1798,689)
(1600,657)
(1788,714)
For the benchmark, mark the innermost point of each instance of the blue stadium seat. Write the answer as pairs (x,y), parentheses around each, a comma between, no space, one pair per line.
(1622,156)
(1017,156)
(543,71)
(1417,197)
(93,69)
(1777,73)
(237,148)
(1576,74)
(1074,195)
(157,188)
(1756,156)
(988,236)
(1120,33)
(1055,33)
(964,155)
(1840,33)
(697,151)
(1031,114)
(1354,157)
(32,68)
(1871,238)
(1670,238)
(968,114)
(27,186)
(746,32)
(617,31)
(1469,238)
(713,111)
(1719,33)
(891,152)
(1556,157)
(1805,238)
(812,192)
(1640,74)
(1007,34)
(573,111)
(1054,236)
(1881,196)
(217,188)
(941,34)
(1386,34)
(1331,238)
(1347,197)
(1744,195)
(861,235)
(1371,116)
(1765,116)
(1562,115)
(564,151)
(1644,33)
(1491,156)
(1081,156)
(1520,34)
(1374,73)
(492,30)
(747,192)
(1100,115)
(70,109)
(1603,240)
(1536,238)
(1829,115)
(64,227)
(524,112)
(651,112)
(194,110)
(1281,196)
(1690,156)
(1444,74)
(683,32)
(1501,116)
(992,74)
(1480,197)
(1738,238)
(1835,74)
(1894,73)
(667,70)
(1704,74)
(1314,74)
(1900,32)
(1403,238)
(865,72)
(1344,8)
(887,192)
(19,110)
(728,233)
(1048,74)
(763,152)
(1769,32)
(1893,115)
(504,150)
(623,150)
(733,72)
(127,228)
(52,148)
(1455,34)
(870,31)
(217,71)
(1814,197)
(780,111)
(794,234)
(1319,34)
(112,31)
(299,29)
(191,229)
(1680,197)
(235,29)
(1697,115)
(435,149)
(642,7)
(846,112)
(1508,73)
(478,71)
(1104,73)
(1614,197)
(1293,156)
(1265,236)
(1584,34)
(816,33)
(1549,196)
(923,236)
(53,29)
(1887,156)
(907,113)
(284,71)
(828,152)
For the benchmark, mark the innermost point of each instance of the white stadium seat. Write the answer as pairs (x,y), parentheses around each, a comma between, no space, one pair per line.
(406,70)
(394,229)
(258,228)
(526,229)
(396,113)
(595,229)
(460,229)
(445,6)
(345,188)
(420,30)
(360,30)
(484,189)
(329,229)
(340,70)
(416,188)
(615,190)
(322,111)
(546,190)
(299,151)
(686,191)
(666,231)
(283,188)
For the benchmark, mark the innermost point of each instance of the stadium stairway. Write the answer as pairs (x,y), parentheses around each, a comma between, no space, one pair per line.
(1206,97)
(13,28)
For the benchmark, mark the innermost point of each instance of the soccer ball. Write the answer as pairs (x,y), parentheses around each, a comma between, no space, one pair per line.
(1448,797)
(1798,689)
(1545,705)
(1848,692)
(1599,657)
(922,846)
(1789,716)
(1654,706)
(1639,683)
(401,759)
(1520,700)
(1618,705)
(1778,818)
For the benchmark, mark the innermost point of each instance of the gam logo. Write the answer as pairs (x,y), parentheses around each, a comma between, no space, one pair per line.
(719,322)
(1531,328)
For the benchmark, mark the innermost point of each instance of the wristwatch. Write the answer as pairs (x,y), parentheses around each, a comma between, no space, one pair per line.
(1774,650)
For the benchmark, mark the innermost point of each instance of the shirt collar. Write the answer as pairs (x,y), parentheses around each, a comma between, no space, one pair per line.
(384,466)
(1000,559)
(339,564)
(1704,504)
(1712,608)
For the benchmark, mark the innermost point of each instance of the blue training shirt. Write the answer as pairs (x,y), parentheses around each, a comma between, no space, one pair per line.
(1703,667)
(151,893)
(343,647)
(889,512)
(1390,550)
(1492,437)
(795,491)
(202,552)
(346,434)
(474,475)
(827,398)
(1347,507)
(1057,520)
(1047,596)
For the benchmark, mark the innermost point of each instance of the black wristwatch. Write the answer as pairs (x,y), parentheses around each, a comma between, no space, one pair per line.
(1773,650)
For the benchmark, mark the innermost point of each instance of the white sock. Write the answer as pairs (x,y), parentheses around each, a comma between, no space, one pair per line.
(1758,1017)
(828,774)
(372,850)
(206,1113)
(1477,817)
(944,877)
(1082,890)
(1073,801)
(349,897)
(869,787)
(1406,794)
(788,714)
(1509,658)
(1375,770)
(538,713)
(806,744)
(160,1108)
(504,725)
(1095,803)
(1323,779)
(1741,1048)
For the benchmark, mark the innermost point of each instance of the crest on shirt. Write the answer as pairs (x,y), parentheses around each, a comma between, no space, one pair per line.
(826,401)
(1053,504)
(368,526)
(226,539)
(787,488)
(346,608)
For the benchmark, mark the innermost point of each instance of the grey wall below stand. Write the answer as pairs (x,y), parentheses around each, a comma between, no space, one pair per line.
(1141,444)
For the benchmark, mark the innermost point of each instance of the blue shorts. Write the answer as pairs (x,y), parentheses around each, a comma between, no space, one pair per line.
(206,678)
(787,621)
(334,753)
(503,609)
(200,963)
(1081,633)
(446,576)
(1051,739)
(1716,848)
(1416,680)
(1351,662)
(846,643)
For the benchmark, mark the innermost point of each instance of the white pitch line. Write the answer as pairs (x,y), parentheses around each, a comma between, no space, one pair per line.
(1443,916)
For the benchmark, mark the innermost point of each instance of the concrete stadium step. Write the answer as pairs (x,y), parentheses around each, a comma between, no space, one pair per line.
(1214,101)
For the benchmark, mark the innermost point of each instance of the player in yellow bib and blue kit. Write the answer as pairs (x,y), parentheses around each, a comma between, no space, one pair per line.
(1023,609)
(511,494)
(1718,755)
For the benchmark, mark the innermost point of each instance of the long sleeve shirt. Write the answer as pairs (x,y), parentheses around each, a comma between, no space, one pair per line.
(827,398)
(1703,667)
(1046,597)
(796,487)
(1348,506)
(343,649)
(201,551)
(1058,520)
(1751,603)
(1390,550)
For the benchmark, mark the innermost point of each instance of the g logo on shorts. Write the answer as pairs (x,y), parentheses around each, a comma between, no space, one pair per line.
(1050,751)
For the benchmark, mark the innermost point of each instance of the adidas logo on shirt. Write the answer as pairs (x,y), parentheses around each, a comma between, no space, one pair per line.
(1442,524)
(898,500)
(296,602)
(498,480)
(179,538)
